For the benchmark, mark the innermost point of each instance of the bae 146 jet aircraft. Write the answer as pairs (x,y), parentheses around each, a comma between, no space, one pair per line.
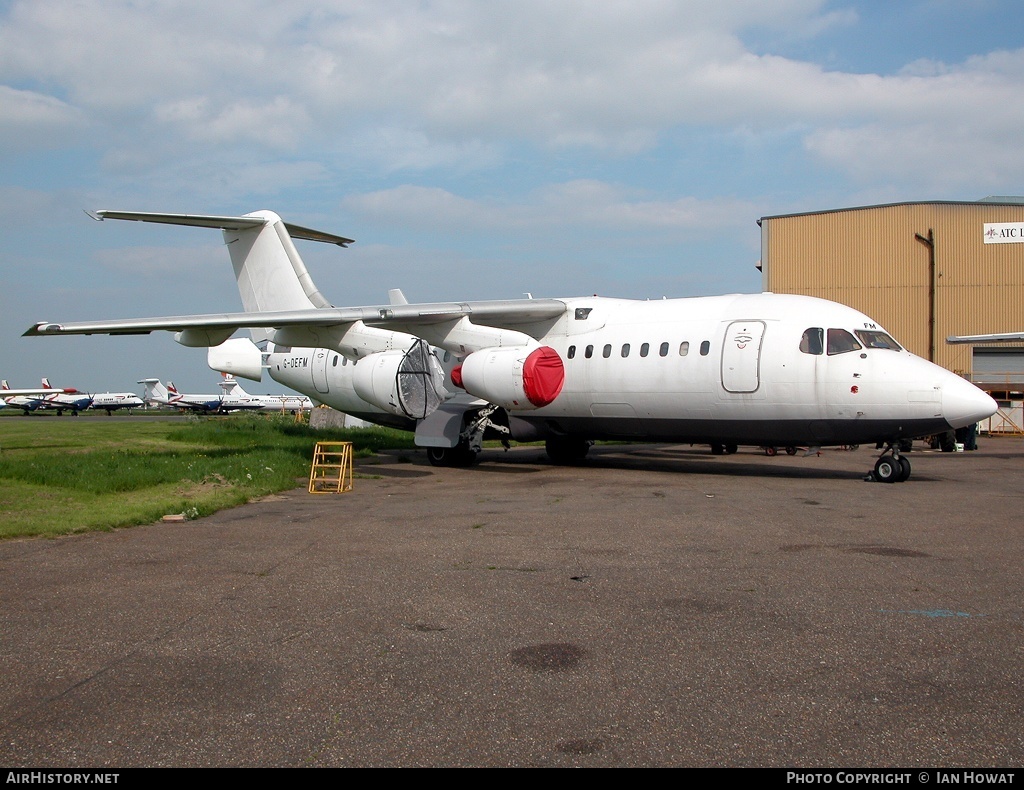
(167,395)
(762,369)
(233,393)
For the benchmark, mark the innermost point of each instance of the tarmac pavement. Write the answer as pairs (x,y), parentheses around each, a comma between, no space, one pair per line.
(657,606)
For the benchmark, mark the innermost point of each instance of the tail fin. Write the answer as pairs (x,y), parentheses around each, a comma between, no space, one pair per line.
(171,389)
(155,392)
(46,383)
(4,385)
(230,386)
(271,276)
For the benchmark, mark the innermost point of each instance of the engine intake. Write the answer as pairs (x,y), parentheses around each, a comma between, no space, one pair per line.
(405,383)
(518,378)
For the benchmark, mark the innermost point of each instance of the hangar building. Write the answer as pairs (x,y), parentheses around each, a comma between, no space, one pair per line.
(923,270)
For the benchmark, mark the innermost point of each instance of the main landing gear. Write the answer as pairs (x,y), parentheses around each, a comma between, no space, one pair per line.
(891,467)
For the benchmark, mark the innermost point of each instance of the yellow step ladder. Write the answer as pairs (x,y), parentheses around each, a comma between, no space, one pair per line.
(331,472)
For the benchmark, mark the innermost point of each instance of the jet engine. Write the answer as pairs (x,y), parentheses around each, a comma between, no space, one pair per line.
(239,357)
(405,383)
(515,378)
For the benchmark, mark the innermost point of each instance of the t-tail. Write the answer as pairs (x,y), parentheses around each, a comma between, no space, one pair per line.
(156,392)
(270,273)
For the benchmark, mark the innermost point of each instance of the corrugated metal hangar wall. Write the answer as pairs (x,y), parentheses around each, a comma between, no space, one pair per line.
(924,271)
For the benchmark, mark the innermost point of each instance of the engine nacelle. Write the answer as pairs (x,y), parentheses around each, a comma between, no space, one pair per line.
(515,378)
(239,357)
(405,383)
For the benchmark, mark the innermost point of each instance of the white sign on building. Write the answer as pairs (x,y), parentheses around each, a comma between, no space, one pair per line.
(1004,232)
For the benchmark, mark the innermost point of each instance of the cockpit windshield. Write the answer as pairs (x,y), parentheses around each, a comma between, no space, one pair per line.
(841,342)
(875,339)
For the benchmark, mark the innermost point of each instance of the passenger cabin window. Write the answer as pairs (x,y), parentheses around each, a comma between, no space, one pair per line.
(705,347)
(684,348)
(572,352)
(625,350)
(607,352)
(874,339)
(841,342)
(813,340)
(334,362)
(644,349)
(663,350)
(589,352)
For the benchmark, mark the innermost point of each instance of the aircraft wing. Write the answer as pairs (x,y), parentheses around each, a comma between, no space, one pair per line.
(1009,337)
(500,313)
(13,393)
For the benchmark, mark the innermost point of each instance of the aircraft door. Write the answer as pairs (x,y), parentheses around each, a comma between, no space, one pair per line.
(741,356)
(319,369)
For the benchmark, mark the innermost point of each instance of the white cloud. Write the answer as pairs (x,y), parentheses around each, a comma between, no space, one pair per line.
(576,204)
(32,120)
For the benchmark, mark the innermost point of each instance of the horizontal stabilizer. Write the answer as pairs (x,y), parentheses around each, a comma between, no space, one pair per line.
(217,221)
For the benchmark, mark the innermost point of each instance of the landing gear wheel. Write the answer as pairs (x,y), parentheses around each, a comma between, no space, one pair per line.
(889,469)
(730,449)
(771,452)
(717,449)
(790,451)
(460,455)
(566,451)
(904,468)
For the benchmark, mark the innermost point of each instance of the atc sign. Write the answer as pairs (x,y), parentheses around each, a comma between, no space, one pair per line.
(1004,232)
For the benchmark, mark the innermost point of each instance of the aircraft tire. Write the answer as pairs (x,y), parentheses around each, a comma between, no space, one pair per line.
(566,451)
(451,456)
(730,449)
(790,450)
(771,452)
(717,449)
(904,469)
(888,469)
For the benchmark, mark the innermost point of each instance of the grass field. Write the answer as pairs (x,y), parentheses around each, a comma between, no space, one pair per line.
(60,475)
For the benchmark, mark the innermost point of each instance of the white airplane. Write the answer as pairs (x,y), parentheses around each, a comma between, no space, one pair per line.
(233,393)
(68,399)
(764,369)
(159,394)
(27,400)
(113,401)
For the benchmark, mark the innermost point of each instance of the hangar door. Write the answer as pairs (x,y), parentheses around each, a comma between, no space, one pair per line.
(741,356)
(998,368)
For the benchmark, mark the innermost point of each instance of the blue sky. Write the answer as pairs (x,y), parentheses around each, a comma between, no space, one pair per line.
(474,150)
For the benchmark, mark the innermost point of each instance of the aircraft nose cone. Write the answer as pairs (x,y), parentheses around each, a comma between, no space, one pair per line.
(963,403)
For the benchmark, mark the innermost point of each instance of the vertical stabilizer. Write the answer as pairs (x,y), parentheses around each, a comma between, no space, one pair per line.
(155,392)
(271,276)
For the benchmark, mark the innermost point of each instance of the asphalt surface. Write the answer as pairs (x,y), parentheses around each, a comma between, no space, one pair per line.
(658,606)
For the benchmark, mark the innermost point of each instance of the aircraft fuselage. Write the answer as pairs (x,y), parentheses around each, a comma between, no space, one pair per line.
(746,369)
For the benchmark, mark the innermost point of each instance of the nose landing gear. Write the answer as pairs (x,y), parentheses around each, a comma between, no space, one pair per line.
(891,467)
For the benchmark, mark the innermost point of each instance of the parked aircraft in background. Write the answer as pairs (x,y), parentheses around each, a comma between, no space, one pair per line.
(277,403)
(763,369)
(65,400)
(114,401)
(27,400)
(159,394)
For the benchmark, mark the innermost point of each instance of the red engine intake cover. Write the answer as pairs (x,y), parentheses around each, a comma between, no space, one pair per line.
(543,376)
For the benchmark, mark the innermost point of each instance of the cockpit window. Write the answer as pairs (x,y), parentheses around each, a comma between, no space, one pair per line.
(840,342)
(813,341)
(874,339)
